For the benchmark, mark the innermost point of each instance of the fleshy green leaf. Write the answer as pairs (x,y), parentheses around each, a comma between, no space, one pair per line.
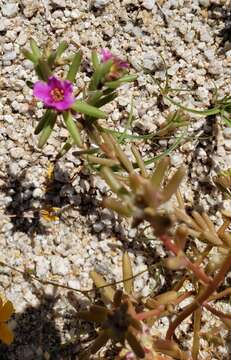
(61,48)
(47,130)
(85,108)
(43,70)
(30,56)
(35,49)
(66,147)
(99,74)
(72,128)
(43,121)
(58,53)
(74,67)
(105,99)
(95,59)
(94,96)
(122,80)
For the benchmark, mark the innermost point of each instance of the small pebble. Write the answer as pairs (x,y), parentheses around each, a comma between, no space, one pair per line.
(22,38)
(227,132)
(10,9)
(37,193)
(228,144)
(148,4)
(9,56)
(58,3)
(100,3)
(59,265)
(42,266)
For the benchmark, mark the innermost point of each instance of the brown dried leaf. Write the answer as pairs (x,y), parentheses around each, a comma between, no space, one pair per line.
(107,292)
(127,274)
(160,171)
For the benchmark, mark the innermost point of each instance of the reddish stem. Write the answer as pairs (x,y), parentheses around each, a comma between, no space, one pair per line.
(201,298)
(152,313)
(216,312)
(183,297)
(169,244)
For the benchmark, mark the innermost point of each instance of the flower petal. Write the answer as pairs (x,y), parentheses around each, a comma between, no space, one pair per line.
(123,64)
(6,311)
(6,334)
(64,104)
(67,87)
(106,55)
(54,82)
(41,91)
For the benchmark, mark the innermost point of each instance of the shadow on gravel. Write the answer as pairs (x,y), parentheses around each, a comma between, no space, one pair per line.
(24,207)
(23,216)
(37,336)
(222,13)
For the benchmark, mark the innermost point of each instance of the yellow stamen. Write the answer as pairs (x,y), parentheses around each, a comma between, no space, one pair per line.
(57,94)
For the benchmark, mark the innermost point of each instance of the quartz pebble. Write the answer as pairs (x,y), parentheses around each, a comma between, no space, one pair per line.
(148,4)
(58,3)
(9,56)
(30,7)
(42,266)
(100,3)
(228,144)
(59,265)
(10,9)
(204,3)
(227,133)
(22,38)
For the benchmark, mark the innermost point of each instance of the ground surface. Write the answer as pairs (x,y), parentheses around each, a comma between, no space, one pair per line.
(187,35)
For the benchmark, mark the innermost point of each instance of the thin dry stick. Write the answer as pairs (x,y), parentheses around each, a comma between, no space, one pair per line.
(84,292)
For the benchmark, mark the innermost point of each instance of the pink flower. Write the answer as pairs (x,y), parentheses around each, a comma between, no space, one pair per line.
(56,94)
(118,65)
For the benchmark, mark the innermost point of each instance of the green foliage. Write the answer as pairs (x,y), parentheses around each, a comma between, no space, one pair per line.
(143,195)
(99,92)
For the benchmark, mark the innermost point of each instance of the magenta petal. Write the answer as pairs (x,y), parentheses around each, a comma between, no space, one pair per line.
(123,64)
(64,104)
(41,91)
(54,82)
(67,87)
(106,55)
(46,93)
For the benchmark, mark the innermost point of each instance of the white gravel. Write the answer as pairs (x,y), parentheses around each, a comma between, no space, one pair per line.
(182,33)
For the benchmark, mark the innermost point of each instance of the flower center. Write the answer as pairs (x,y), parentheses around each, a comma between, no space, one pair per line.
(57,94)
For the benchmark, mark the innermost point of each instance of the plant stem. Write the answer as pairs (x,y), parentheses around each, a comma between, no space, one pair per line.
(195,268)
(209,290)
